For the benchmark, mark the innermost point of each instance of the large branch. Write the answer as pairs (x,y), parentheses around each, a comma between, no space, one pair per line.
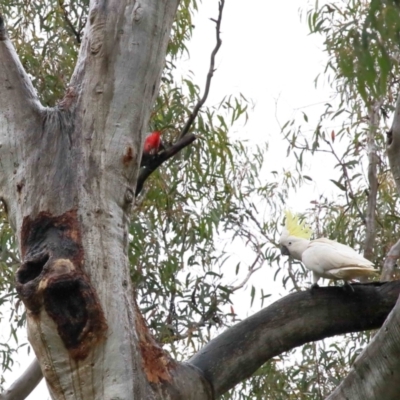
(16,89)
(25,384)
(290,322)
(19,109)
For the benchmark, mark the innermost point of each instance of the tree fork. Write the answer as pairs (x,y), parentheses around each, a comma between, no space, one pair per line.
(67,179)
(294,320)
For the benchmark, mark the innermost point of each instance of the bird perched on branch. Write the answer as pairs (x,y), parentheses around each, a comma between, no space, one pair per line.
(325,258)
(152,145)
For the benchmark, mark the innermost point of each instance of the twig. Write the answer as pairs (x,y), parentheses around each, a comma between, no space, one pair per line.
(181,142)
(210,74)
(261,229)
(317,369)
(76,33)
(348,181)
(25,384)
(293,277)
(252,269)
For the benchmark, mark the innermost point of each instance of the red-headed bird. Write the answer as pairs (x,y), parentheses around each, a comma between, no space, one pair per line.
(152,145)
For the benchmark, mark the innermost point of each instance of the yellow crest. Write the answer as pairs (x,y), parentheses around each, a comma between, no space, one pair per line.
(296,228)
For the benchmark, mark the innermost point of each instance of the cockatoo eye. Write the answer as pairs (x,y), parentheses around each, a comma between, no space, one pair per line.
(289,243)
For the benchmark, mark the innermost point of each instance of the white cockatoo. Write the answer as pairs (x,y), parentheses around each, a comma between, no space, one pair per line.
(325,258)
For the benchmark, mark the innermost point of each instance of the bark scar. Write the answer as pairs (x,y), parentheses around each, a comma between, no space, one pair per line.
(52,279)
(156,362)
(128,156)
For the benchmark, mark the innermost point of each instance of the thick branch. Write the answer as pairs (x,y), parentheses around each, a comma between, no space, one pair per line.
(390,262)
(19,111)
(161,158)
(393,146)
(25,384)
(290,322)
(17,93)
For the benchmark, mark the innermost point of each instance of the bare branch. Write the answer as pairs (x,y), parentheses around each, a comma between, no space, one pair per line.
(25,384)
(210,74)
(146,172)
(293,277)
(252,268)
(290,322)
(390,262)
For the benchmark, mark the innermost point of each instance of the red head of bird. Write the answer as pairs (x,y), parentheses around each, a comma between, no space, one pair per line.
(152,143)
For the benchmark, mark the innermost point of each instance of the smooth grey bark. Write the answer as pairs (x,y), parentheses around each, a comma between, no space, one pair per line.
(290,322)
(25,384)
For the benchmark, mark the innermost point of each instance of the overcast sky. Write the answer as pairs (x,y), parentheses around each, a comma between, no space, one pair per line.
(267,56)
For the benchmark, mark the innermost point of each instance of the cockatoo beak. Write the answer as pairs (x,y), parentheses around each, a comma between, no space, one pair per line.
(285,251)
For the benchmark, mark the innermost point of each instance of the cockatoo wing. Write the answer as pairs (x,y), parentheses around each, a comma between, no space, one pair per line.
(334,260)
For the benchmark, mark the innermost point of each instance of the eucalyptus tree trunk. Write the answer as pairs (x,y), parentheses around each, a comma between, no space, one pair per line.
(376,372)
(67,179)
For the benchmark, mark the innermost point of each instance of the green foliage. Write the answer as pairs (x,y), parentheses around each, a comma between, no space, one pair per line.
(216,196)
(15,317)
(46,35)
(362,41)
